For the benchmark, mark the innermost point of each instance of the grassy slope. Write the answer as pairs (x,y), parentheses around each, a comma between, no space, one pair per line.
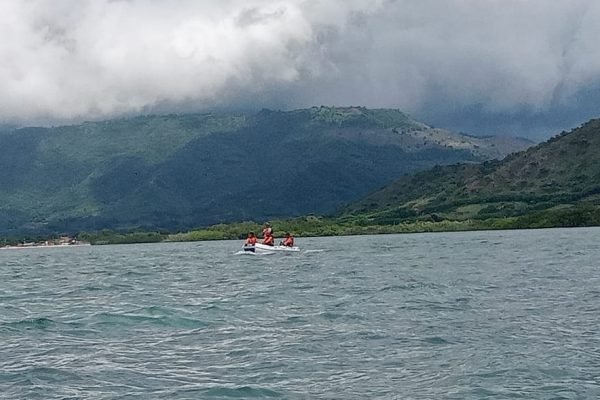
(562,172)
(58,163)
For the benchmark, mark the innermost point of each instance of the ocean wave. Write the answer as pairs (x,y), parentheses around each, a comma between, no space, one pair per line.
(152,317)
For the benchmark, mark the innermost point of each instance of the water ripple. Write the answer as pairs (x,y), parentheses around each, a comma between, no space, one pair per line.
(486,315)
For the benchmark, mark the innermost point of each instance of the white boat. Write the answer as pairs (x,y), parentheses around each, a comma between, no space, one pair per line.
(252,253)
(263,248)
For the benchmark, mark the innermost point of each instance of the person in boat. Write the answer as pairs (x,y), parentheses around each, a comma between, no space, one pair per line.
(250,242)
(268,238)
(288,240)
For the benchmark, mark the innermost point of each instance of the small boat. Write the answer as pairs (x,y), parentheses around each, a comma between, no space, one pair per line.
(277,248)
(263,248)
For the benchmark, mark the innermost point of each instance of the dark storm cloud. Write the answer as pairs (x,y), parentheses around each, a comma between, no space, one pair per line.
(509,66)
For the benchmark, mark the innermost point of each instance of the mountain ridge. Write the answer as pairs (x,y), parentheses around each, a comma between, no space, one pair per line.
(179,171)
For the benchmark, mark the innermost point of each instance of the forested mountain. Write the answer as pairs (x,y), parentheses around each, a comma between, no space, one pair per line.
(181,171)
(552,177)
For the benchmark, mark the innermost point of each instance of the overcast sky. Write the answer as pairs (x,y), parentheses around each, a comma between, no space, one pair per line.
(524,67)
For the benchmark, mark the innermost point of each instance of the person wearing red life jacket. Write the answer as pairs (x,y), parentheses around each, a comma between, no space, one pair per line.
(250,242)
(268,238)
(288,241)
(269,241)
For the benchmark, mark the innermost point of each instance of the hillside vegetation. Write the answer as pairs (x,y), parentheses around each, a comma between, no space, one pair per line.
(558,177)
(554,184)
(179,171)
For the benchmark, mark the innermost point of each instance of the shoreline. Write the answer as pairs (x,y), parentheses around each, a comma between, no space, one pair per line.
(235,232)
(315,226)
(44,246)
(177,237)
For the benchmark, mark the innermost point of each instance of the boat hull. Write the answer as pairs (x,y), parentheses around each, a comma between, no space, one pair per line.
(263,248)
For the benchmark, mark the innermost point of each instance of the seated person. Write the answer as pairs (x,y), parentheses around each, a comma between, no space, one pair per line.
(269,240)
(250,242)
(288,241)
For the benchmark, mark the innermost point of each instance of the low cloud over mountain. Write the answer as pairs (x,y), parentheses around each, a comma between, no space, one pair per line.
(491,66)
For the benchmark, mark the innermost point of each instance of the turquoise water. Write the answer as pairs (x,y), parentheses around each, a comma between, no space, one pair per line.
(511,314)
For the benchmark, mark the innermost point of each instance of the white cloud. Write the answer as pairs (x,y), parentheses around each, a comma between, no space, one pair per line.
(71,59)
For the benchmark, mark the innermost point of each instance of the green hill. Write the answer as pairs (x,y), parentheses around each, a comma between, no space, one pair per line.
(552,178)
(180,171)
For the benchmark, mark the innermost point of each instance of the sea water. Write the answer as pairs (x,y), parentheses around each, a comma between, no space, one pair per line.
(505,314)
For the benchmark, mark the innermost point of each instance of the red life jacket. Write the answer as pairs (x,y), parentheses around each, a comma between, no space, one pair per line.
(289,241)
(251,241)
(269,240)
